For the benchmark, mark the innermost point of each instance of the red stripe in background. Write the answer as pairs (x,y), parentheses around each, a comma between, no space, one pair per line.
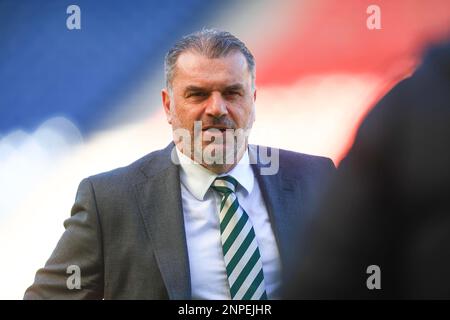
(324,37)
(335,39)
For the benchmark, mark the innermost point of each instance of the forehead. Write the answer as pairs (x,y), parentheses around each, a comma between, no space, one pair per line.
(193,68)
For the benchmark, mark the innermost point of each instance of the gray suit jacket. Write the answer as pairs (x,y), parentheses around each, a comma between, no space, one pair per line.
(126,230)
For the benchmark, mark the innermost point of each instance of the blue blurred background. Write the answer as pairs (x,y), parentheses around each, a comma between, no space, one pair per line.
(47,69)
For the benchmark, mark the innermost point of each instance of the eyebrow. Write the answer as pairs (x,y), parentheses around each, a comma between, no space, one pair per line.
(194,88)
(236,86)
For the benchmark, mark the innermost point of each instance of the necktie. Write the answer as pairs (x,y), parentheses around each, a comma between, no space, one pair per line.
(240,249)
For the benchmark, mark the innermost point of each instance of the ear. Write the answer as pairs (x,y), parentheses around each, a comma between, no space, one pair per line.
(165,95)
(254,99)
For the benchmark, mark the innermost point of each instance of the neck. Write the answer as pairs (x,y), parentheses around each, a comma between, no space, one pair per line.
(220,167)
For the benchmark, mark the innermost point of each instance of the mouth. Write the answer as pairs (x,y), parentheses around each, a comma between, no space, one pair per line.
(220,128)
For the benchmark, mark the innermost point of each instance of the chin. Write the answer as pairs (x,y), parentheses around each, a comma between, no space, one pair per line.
(218,168)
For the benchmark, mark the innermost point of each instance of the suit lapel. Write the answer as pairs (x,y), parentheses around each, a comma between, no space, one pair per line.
(282,199)
(159,197)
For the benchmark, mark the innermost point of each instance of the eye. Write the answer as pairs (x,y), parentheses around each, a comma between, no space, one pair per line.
(198,94)
(231,93)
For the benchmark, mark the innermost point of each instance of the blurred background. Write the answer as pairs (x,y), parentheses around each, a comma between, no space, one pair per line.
(78,102)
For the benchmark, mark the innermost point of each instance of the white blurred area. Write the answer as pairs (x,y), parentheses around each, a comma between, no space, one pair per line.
(39,176)
(40,171)
(317,115)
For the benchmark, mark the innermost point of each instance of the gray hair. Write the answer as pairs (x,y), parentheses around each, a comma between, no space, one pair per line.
(212,43)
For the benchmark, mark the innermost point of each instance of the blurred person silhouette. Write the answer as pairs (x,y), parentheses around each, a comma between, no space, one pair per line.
(167,227)
(389,204)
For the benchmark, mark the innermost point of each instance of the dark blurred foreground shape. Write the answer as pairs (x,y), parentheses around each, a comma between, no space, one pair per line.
(390,202)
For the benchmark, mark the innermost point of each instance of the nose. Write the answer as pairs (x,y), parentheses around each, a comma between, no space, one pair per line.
(216,106)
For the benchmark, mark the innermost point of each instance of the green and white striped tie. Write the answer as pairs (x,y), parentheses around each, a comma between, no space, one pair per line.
(240,249)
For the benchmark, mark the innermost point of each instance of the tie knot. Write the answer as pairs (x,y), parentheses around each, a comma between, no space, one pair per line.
(225,184)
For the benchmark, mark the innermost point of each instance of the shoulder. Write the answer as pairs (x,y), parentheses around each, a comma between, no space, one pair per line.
(288,157)
(304,165)
(149,164)
(292,163)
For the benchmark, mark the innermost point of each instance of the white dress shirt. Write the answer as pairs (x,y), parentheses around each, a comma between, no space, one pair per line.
(201,219)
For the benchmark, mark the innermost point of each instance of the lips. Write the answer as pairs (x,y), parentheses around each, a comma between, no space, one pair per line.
(220,128)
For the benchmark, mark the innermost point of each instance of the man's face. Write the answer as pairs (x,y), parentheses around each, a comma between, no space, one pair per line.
(218,92)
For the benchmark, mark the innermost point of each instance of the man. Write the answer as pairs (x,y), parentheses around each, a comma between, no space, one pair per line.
(384,231)
(204,218)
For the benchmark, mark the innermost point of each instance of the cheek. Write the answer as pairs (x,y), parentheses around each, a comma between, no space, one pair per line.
(244,113)
(186,115)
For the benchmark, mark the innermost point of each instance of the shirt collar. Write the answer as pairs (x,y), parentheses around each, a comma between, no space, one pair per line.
(197,179)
